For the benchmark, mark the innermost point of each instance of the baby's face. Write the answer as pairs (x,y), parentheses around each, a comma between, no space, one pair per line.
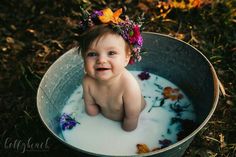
(106,58)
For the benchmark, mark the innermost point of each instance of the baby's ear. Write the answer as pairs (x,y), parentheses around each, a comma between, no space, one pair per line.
(127,58)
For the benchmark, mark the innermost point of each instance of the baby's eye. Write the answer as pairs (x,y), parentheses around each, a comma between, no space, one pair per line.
(110,53)
(91,54)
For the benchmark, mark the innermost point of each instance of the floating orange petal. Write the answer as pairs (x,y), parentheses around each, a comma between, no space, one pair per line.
(173,94)
(142,148)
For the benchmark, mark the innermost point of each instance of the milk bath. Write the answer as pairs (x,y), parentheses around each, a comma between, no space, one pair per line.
(160,123)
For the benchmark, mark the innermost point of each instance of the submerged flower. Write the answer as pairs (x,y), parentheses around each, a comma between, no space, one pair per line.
(67,122)
(144,75)
(173,94)
(187,126)
(108,16)
(165,143)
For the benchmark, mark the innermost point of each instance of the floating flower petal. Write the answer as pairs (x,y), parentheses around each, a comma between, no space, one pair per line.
(144,75)
(165,143)
(143,148)
(67,122)
(173,94)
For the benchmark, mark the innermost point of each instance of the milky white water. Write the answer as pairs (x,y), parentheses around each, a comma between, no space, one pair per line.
(105,137)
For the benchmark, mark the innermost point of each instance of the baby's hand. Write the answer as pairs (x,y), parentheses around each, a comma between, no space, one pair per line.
(130,122)
(91,109)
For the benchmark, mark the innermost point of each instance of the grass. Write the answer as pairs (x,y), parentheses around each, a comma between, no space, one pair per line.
(35,33)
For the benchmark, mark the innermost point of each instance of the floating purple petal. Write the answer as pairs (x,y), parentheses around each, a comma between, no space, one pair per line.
(67,122)
(144,75)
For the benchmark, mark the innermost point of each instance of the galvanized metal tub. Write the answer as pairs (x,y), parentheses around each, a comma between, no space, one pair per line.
(168,57)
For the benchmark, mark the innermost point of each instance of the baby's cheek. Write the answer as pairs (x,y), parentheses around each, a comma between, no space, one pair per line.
(88,69)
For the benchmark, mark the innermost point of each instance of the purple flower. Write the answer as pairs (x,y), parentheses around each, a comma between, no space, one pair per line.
(144,75)
(99,13)
(67,122)
(140,40)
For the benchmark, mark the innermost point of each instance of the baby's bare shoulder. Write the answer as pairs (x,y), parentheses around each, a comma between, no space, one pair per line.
(87,80)
(132,96)
(130,83)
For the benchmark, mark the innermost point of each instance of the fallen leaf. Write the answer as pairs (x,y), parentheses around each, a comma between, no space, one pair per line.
(10,40)
(143,7)
(180,36)
(30,30)
(222,141)
(58,44)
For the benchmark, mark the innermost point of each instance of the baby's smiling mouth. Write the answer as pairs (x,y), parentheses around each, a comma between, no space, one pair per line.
(102,69)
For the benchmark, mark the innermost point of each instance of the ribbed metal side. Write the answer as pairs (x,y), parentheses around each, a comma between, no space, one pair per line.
(170,58)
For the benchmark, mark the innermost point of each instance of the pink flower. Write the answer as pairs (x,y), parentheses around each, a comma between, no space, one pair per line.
(135,35)
(139,58)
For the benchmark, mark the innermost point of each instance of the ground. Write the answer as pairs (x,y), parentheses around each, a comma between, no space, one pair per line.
(35,33)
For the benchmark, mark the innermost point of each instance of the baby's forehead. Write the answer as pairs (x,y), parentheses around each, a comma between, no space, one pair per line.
(109,36)
(108,40)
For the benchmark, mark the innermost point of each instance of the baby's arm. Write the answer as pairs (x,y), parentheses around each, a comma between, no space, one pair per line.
(90,106)
(132,107)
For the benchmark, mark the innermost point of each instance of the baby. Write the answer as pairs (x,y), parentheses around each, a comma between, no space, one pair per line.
(107,86)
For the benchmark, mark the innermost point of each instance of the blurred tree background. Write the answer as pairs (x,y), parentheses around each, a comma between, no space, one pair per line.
(34,33)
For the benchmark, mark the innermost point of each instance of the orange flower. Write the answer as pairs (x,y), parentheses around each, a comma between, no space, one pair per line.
(143,148)
(108,16)
(173,94)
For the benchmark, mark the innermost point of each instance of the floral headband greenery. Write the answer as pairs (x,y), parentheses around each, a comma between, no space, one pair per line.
(128,29)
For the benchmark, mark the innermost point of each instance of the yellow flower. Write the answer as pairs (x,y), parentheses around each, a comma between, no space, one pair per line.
(108,16)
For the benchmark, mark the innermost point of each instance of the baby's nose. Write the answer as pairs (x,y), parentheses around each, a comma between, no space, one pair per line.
(101,59)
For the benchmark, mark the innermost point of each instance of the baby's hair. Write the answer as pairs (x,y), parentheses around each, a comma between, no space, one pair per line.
(95,33)
(93,26)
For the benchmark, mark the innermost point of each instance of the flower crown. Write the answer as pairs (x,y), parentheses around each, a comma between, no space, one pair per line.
(128,29)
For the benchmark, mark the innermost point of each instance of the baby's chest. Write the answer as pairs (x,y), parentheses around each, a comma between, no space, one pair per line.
(111,100)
